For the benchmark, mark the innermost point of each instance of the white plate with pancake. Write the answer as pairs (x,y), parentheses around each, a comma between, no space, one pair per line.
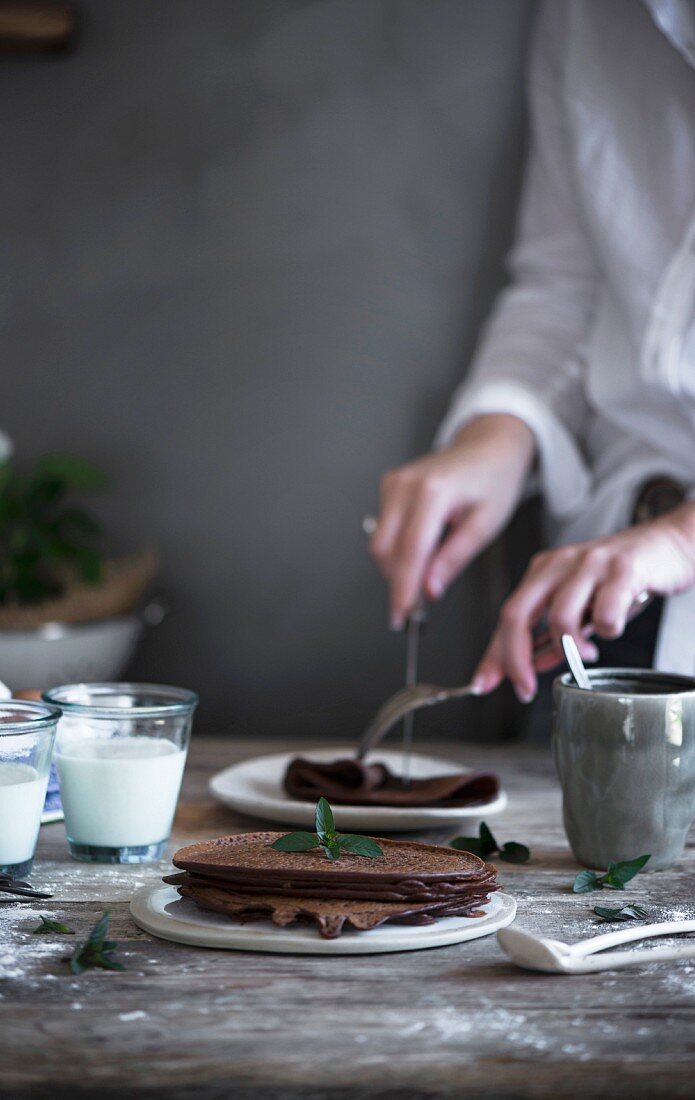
(159,910)
(254,787)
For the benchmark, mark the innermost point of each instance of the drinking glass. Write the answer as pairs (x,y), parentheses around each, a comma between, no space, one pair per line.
(120,755)
(27,733)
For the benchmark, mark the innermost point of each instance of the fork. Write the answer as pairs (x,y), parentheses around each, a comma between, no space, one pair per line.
(406,701)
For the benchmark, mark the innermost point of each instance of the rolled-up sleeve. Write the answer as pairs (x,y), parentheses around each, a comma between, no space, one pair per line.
(530,360)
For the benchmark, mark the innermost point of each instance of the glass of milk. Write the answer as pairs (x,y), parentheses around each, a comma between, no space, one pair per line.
(27,733)
(120,753)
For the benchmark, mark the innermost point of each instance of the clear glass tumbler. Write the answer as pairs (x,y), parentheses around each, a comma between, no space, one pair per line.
(120,754)
(27,733)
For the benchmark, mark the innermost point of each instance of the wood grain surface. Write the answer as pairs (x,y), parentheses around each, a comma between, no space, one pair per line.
(453,1022)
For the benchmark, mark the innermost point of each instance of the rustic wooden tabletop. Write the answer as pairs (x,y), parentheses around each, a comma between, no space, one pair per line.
(183,1022)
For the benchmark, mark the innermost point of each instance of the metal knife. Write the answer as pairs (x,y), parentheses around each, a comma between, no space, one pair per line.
(413,629)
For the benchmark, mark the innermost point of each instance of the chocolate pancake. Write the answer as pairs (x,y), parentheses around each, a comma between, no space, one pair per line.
(411,892)
(245,878)
(331,917)
(248,858)
(352,782)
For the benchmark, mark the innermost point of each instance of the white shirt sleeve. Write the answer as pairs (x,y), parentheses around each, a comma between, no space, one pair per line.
(530,361)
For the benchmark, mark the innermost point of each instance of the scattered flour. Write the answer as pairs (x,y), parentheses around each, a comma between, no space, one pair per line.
(21,952)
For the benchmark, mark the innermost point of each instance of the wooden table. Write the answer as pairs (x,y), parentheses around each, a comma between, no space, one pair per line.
(456,1021)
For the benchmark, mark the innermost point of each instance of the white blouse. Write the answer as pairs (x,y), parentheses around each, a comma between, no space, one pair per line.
(593,342)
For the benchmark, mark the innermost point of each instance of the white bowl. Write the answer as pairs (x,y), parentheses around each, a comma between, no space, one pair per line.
(62,653)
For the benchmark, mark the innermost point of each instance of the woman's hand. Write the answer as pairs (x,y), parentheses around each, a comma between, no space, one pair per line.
(439,512)
(587,589)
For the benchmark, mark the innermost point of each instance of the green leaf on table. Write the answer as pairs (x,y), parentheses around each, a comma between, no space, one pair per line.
(482,845)
(625,912)
(585,882)
(485,845)
(487,838)
(359,845)
(96,950)
(472,844)
(511,852)
(296,842)
(614,879)
(53,926)
(620,873)
(325,822)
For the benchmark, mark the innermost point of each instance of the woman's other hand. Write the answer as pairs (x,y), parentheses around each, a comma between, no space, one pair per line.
(439,512)
(585,589)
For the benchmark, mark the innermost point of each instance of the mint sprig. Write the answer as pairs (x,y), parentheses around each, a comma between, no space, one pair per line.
(614,879)
(296,842)
(96,950)
(53,926)
(327,838)
(625,912)
(485,845)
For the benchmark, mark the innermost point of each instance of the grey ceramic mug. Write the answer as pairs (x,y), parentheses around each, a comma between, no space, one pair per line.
(625,755)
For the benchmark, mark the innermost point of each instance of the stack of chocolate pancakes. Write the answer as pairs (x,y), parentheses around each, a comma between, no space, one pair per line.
(245,879)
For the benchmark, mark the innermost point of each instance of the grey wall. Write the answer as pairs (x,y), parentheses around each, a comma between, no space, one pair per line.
(246,249)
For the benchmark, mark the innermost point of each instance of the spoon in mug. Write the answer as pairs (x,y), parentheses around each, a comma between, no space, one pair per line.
(569,647)
(572,656)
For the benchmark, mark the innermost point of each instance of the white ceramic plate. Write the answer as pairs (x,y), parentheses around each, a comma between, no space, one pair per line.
(158,909)
(254,787)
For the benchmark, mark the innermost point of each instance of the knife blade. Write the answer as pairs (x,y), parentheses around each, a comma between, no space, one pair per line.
(413,631)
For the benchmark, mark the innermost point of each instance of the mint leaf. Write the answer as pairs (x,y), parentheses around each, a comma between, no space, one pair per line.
(485,844)
(359,845)
(326,837)
(53,926)
(620,873)
(482,845)
(96,950)
(325,823)
(511,852)
(472,844)
(614,879)
(487,839)
(626,912)
(105,962)
(296,842)
(585,882)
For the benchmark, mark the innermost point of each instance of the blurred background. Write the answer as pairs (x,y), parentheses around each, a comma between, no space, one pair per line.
(247,249)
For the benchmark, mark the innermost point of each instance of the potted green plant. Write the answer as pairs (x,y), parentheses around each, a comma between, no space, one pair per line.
(67,611)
